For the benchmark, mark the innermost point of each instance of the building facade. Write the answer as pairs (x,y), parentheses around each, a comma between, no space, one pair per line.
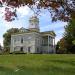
(31,40)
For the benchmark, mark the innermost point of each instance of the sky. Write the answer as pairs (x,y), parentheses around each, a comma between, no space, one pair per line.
(22,20)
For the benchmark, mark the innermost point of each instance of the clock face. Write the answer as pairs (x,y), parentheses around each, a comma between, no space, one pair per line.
(71,4)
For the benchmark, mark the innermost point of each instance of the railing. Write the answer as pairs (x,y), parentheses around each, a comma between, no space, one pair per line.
(47,45)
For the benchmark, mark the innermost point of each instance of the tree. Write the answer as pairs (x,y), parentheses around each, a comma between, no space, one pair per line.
(10,15)
(57,47)
(69,36)
(7,38)
(61,46)
(0,47)
(54,6)
(67,43)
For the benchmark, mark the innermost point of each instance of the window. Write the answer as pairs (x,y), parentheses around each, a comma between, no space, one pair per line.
(14,48)
(14,40)
(37,50)
(21,40)
(29,48)
(21,49)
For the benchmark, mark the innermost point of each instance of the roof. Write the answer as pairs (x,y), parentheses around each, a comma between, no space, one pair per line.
(23,29)
(45,33)
(49,32)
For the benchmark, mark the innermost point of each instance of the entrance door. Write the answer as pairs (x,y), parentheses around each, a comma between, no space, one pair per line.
(29,48)
(21,49)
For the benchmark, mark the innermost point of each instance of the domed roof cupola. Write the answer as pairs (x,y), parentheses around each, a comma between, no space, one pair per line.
(34,23)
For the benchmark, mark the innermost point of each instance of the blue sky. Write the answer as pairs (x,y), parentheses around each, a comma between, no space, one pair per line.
(24,13)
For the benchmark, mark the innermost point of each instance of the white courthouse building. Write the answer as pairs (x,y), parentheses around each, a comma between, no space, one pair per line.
(31,40)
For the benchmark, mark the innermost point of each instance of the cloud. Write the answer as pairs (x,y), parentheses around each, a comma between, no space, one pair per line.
(23,14)
(1,41)
(57,39)
(24,11)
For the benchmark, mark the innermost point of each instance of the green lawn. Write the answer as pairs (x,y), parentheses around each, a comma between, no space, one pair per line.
(37,64)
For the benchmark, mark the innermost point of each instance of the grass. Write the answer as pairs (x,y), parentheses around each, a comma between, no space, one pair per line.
(37,64)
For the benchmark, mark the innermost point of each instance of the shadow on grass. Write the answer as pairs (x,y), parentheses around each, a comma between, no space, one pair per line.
(47,70)
(64,61)
(5,71)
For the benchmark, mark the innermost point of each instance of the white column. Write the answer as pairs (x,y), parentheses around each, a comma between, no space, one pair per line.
(54,46)
(48,43)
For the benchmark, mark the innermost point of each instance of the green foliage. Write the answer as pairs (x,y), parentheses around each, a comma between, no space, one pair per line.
(69,8)
(73,42)
(7,38)
(29,64)
(69,36)
(61,46)
(67,43)
(57,46)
